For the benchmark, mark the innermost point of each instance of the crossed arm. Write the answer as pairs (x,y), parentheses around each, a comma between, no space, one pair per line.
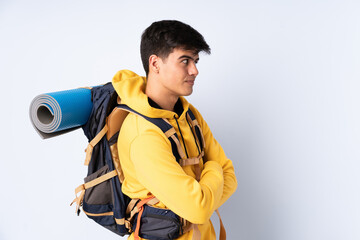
(180,192)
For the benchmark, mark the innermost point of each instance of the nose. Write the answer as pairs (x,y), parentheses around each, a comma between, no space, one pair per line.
(193,71)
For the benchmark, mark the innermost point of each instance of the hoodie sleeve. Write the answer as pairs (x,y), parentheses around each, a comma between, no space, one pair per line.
(158,171)
(215,153)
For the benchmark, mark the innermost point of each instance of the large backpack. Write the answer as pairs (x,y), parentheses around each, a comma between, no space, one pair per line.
(101,197)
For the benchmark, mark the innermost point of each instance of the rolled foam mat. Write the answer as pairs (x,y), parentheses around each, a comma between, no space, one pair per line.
(56,113)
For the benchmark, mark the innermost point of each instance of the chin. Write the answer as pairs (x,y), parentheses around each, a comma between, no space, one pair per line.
(188,93)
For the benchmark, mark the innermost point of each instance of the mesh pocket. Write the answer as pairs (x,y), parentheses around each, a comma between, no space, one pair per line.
(101,193)
(98,200)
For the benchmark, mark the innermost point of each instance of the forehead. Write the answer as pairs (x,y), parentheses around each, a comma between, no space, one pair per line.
(178,52)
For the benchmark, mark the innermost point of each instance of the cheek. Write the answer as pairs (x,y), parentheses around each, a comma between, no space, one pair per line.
(168,71)
(173,74)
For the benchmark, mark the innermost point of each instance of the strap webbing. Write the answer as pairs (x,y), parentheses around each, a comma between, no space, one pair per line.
(101,179)
(170,132)
(222,228)
(187,226)
(82,187)
(196,232)
(196,129)
(131,205)
(178,145)
(152,201)
(98,214)
(140,206)
(120,221)
(191,161)
(93,142)
(134,210)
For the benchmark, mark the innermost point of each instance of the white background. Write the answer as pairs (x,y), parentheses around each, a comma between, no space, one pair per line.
(280,92)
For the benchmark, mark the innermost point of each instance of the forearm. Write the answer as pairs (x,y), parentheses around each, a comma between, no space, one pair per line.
(214,152)
(230,183)
(161,175)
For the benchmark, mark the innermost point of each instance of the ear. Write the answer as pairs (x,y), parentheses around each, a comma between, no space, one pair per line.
(154,64)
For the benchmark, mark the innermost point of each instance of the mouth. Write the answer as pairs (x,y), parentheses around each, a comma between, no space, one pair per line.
(191,82)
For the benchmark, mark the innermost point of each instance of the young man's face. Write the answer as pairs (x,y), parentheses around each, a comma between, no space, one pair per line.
(178,72)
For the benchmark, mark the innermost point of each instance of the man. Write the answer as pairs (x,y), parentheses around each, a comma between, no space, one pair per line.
(169,52)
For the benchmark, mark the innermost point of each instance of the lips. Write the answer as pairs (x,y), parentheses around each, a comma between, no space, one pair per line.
(191,82)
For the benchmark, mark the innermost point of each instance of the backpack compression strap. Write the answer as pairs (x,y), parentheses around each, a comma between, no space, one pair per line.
(81,189)
(93,142)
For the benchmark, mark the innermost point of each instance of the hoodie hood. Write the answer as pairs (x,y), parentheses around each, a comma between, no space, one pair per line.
(131,89)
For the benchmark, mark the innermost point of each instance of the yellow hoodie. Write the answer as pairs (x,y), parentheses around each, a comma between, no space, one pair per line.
(151,169)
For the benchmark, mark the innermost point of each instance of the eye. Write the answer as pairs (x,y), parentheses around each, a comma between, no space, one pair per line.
(185,61)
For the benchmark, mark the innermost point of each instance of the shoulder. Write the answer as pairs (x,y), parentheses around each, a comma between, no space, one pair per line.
(135,126)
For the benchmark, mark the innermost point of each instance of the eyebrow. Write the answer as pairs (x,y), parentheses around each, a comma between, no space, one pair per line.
(187,56)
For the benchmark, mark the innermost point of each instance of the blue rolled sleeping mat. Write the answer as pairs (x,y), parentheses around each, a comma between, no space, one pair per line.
(57,113)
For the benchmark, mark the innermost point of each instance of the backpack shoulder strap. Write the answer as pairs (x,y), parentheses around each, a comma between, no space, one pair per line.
(196,128)
(171,134)
(166,128)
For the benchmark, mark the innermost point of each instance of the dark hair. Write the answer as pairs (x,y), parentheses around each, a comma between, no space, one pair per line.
(160,38)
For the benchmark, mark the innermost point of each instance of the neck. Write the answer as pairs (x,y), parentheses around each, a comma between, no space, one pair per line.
(157,94)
